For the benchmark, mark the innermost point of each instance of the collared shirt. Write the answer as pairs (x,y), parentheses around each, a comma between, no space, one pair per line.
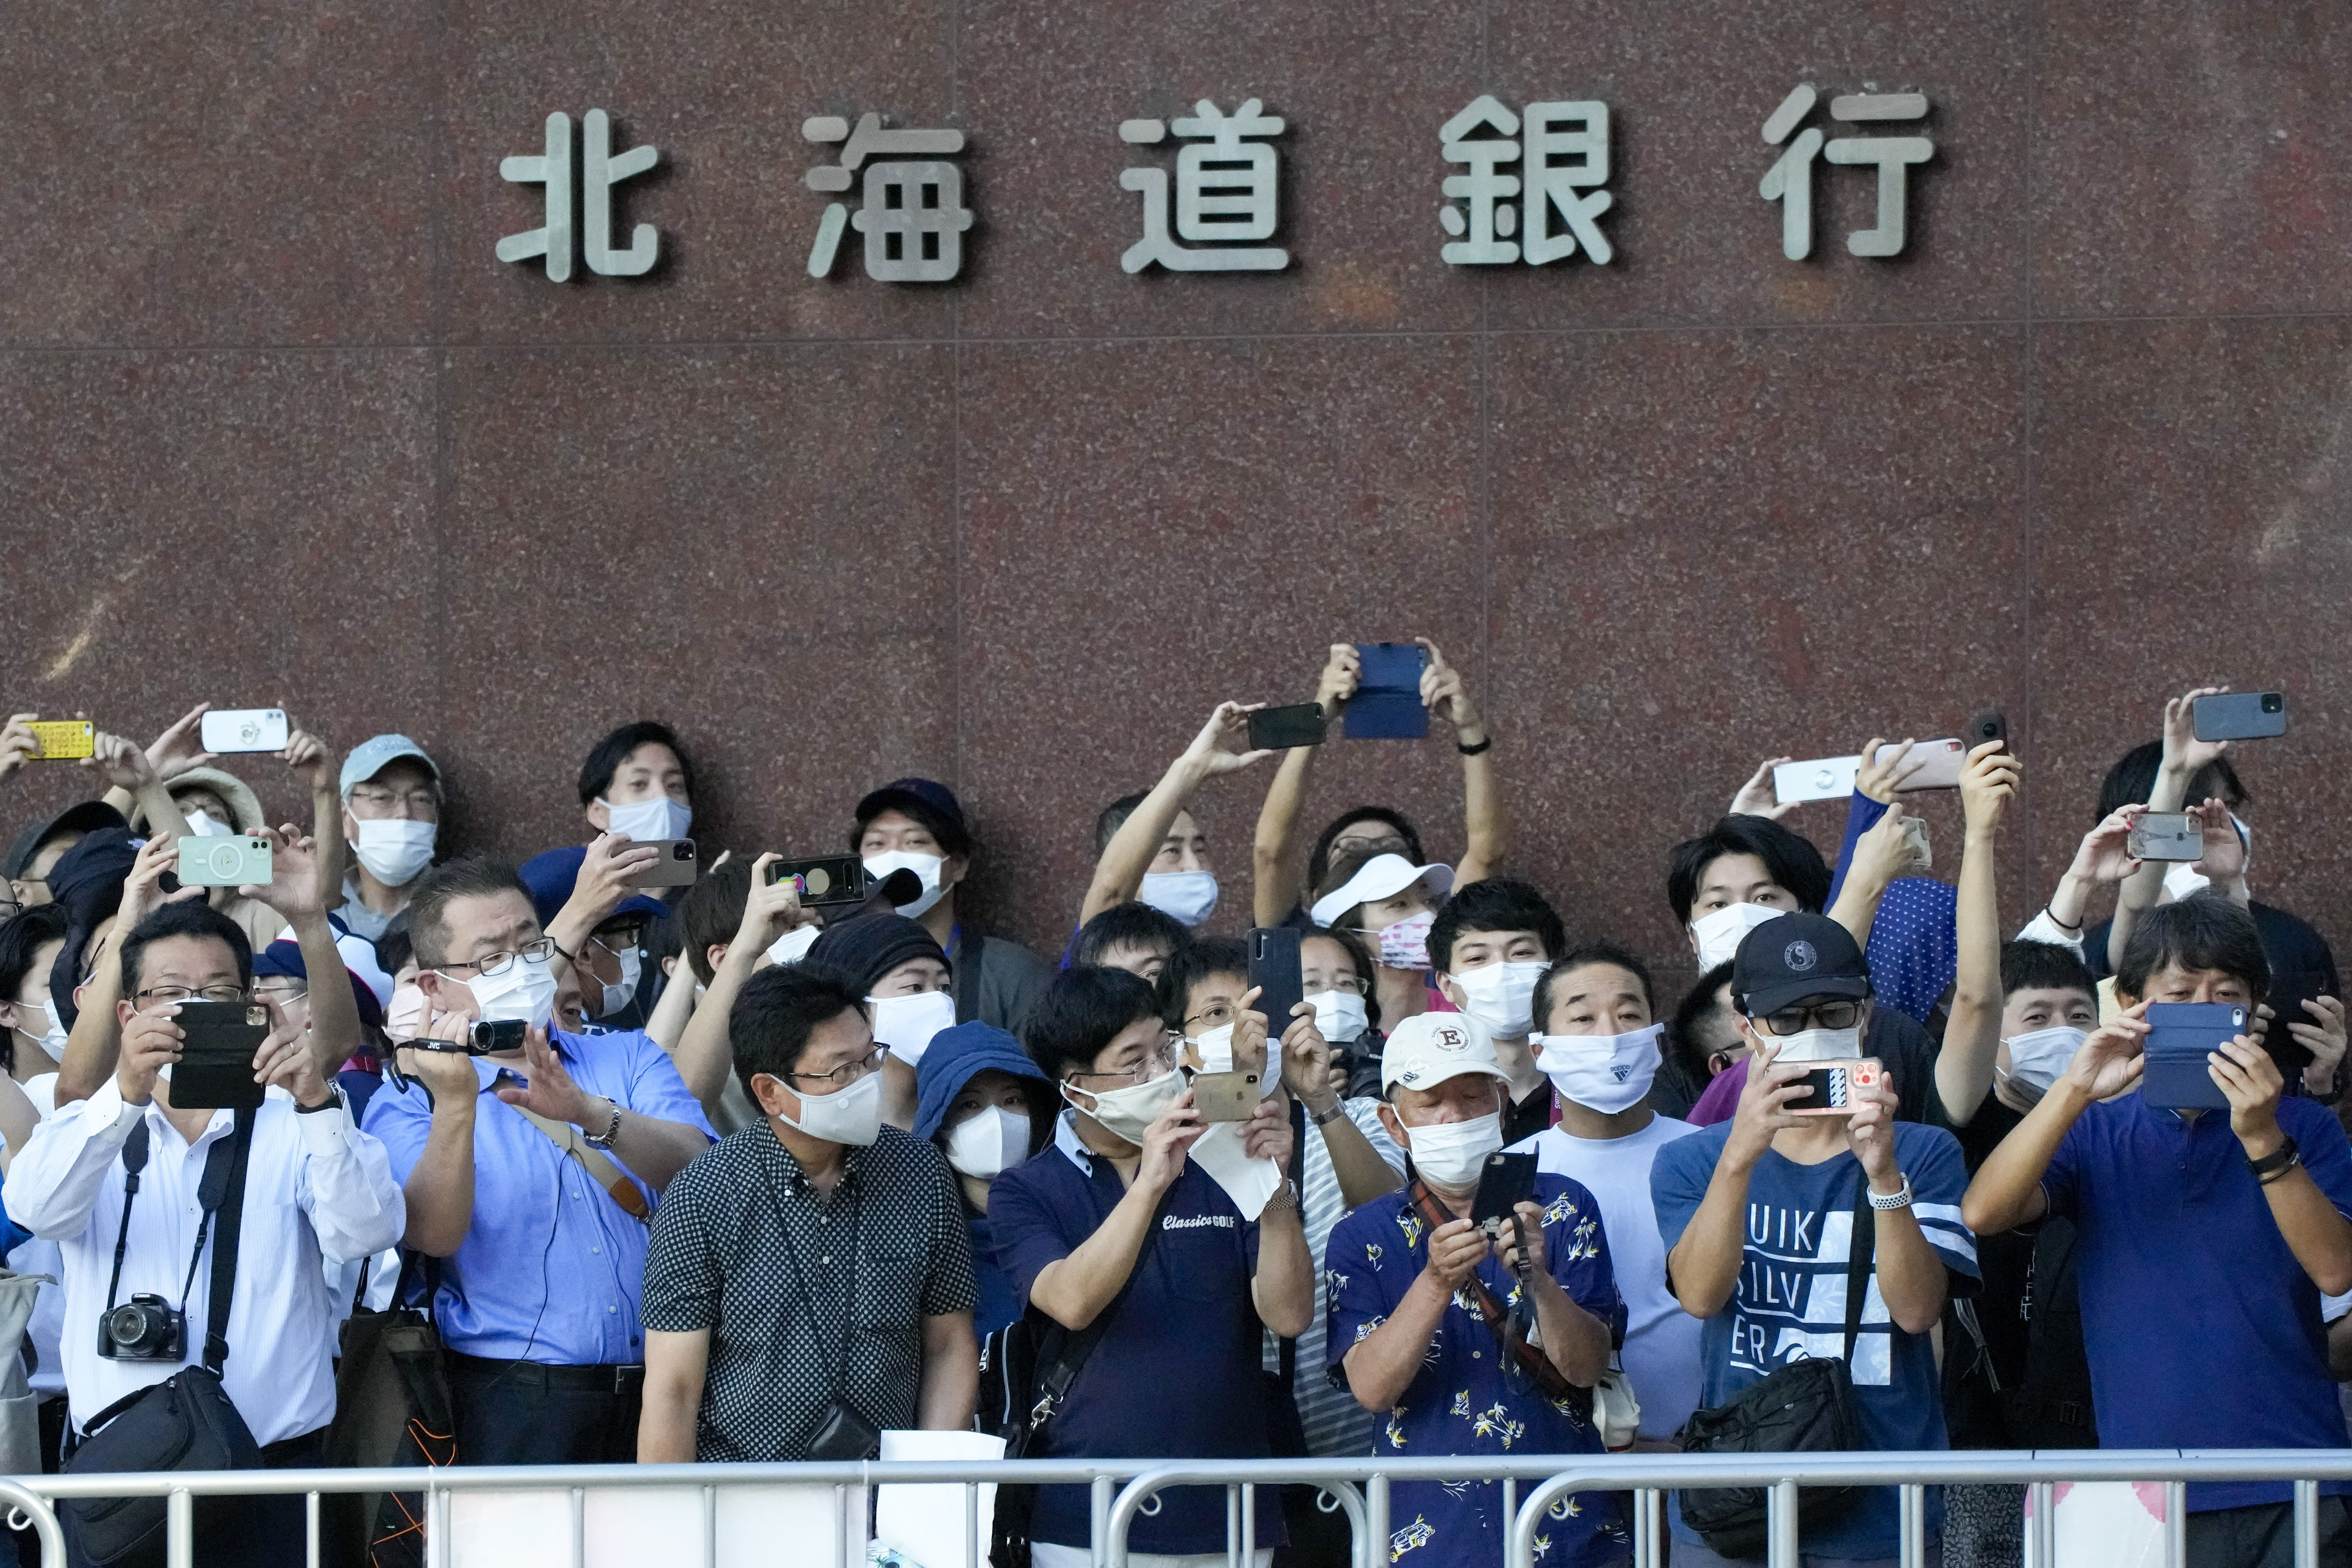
(551,1268)
(1461,1399)
(2202,1330)
(806,1297)
(1176,1373)
(316,1189)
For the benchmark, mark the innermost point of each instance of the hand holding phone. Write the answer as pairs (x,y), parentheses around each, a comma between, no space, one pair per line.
(1834,1085)
(244,730)
(219,1041)
(1505,1182)
(62,740)
(2181,1037)
(673,865)
(1936,765)
(2239,716)
(1286,728)
(2173,835)
(1821,778)
(1387,705)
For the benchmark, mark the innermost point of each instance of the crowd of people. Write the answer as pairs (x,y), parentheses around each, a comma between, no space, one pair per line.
(733,1171)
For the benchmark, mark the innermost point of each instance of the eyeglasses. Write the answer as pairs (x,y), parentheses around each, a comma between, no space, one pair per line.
(847,1072)
(1217,1015)
(420,802)
(1347,982)
(1157,1063)
(1368,848)
(1822,1015)
(172,996)
(494,963)
(620,940)
(281,994)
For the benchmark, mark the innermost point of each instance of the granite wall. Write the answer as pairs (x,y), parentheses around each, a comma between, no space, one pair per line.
(277,426)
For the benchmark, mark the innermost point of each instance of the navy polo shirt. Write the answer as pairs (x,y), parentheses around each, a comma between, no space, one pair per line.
(2204,1330)
(1176,1374)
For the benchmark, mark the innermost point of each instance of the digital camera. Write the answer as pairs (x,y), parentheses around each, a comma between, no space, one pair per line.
(145,1328)
(234,861)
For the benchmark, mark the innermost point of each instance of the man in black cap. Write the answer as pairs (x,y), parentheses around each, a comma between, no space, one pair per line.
(916,825)
(37,849)
(1775,1221)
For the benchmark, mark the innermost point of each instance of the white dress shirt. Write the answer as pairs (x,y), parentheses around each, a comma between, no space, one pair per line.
(316,1188)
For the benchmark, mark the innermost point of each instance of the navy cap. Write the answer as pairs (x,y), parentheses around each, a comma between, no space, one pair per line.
(953,1059)
(284,957)
(1793,958)
(87,817)
(929,802)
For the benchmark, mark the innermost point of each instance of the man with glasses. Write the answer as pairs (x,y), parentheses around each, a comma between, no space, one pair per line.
(810,1283)
(533,1171)
(392,820)
(1115,1219)
(1760,1216)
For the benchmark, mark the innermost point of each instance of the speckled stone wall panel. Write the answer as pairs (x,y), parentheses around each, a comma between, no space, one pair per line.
(1182,524)
(1689,85)
(2192,157)
(1762,553)
(249,172)
(755,546)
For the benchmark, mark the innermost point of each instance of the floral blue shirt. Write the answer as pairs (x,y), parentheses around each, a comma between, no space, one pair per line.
(1461,1402)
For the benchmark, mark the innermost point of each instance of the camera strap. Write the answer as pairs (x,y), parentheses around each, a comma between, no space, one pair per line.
(222,1186)
(1522,1357)
(134,1160)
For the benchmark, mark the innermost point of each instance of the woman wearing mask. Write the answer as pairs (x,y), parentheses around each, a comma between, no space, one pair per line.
(1390,903)
(906,980)
(29,946)
(1336,969)
(988,1108)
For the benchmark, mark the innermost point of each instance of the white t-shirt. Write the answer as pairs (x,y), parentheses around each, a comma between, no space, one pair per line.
(1661,1348)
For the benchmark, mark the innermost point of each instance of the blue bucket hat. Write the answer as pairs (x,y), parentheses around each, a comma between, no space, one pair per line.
(954,1057)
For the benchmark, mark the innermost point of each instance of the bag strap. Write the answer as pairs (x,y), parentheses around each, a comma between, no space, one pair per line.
(606,1175)
(1286,1348)
(1860,1256)
(965,981)
(231,1206)
(1547,1377)
(1071,1352)
(134,1160)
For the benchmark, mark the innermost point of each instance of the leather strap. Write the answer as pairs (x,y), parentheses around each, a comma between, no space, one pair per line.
(599,1167)
(1548,1378)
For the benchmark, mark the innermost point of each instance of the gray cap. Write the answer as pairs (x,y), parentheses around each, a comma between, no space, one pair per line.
(370,757)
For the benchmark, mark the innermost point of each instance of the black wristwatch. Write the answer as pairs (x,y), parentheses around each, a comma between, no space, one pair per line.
(2275,1163)
(1478,749)
(334,1097)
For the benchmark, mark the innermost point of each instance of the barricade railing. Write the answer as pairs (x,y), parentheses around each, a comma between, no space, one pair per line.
(1122,1490)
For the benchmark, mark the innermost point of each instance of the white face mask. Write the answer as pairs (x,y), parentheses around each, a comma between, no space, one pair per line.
(1450,1155)
(204,826)
(1128,1112)
(1216,1049)
(793,945)
(1501,997)
(1340,1017)
(2039,1059)
(996,1140)
(1719,934)
(618,997)
(1188,898)
(906,1023)
(647,820)
(927,866)
(1817,1045)
(396,849)
(852,1116)
(525,991)
(1607,1073)
(54,1040)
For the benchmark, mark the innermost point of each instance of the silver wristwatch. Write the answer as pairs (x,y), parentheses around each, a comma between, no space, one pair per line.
(605,1140)
(1901,1200)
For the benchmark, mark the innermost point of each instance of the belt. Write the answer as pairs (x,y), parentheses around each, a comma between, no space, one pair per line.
(547,1374)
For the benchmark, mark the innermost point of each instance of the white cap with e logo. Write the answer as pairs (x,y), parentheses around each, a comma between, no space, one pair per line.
(1430,1047)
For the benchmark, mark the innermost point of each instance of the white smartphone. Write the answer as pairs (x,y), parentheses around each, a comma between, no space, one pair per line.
(1940,763)
(1823,778)
(244,730)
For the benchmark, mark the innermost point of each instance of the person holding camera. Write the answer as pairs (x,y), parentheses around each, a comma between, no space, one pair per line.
(134,1189)
(1476,1322)
(532,1160)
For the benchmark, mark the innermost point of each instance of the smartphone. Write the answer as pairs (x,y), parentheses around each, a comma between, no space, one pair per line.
(234,861)
(2181,1035)
(2239,716)
(1915,833)
(1225,1096)
(1941,769)
(1823,778)
(2290,989)
(826,882)
(1387,703)
(1987,725)
(1832,1084)
(674,868)
(244,730)
(216,1066)
(1505,1182)
(63,740)
(1282,729)
(2166,836)
(1276,971)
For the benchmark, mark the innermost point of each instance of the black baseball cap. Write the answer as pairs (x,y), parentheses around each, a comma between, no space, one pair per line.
(928,802)
(88,816)
(1794,959)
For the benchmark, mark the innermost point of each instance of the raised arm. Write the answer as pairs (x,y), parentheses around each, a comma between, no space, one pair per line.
(1073,1290)
(1972,1034)
(2007,1190)
(2184,755)
(1704,1266)
(704,1054)
(1128,855)
(2319,1237)
(1277,880)
(1485,830)
(2103,858)
(1879,856)
(296,890)
(126,767)
(90,1050)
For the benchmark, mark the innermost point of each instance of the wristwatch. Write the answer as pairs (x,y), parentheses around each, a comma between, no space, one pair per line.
(1325,1118)
(334,1097)
(1901,1200)
(605,1140)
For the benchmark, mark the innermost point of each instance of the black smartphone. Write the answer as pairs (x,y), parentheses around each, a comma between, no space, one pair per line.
(1387,703)
(1283,729)
(1987,725)
(2239,716)
(1505,1182)
(1276,971)
(828,881)
(675,867)
(216,1066)
(2290,989)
